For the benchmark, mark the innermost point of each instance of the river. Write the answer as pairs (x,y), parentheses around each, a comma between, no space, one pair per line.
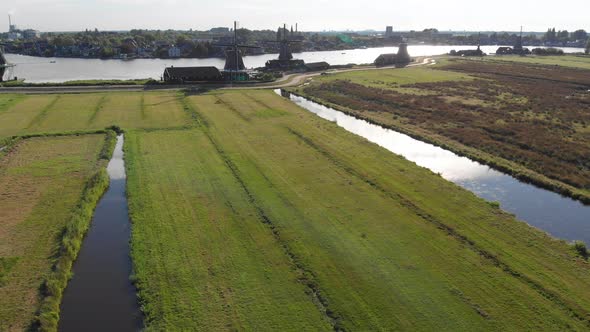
(100,296)
(559,216)
(39,70)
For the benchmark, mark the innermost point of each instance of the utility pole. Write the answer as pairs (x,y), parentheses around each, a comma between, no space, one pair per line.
(237,49)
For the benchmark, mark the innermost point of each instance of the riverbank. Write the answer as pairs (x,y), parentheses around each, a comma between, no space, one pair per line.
(409,91)
(46,208)
(288,80)
(41,70)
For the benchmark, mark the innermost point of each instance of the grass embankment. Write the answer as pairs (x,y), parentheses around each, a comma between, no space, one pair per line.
(575,61)
(21,83)
(531,122)
(269,218)
(49,187)
(86,112)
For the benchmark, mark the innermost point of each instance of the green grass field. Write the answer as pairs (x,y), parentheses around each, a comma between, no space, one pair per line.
(393,78)
(41,181)
(250,213)
(582,62)
(81,112)
(350,235)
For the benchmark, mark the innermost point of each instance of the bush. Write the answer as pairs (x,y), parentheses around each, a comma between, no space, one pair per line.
(547,51)
(581,249)
(495,205)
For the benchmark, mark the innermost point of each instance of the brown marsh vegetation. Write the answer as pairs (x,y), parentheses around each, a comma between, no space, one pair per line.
(537,116)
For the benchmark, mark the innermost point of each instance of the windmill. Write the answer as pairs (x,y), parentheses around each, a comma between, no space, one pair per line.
(285,54)
(234,63)
(518,49)
(4,65)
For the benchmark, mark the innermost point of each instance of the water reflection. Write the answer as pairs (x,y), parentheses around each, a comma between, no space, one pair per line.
(116,166)
(560,216)
(100,296)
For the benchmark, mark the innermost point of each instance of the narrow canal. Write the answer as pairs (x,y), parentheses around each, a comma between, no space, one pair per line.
(559,216)
(100,296)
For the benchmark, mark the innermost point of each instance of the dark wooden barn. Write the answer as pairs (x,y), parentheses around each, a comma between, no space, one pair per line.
(317,66)
(191,74)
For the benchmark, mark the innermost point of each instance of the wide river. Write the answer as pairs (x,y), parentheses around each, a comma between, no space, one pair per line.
(559,216)
(37,70)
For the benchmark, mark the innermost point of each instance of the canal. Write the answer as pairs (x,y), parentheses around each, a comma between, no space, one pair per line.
(559,216)
(100,296)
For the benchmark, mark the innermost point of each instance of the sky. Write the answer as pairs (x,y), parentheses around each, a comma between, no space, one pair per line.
(312,15)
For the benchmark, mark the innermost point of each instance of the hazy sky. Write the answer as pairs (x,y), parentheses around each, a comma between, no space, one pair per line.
(76,15)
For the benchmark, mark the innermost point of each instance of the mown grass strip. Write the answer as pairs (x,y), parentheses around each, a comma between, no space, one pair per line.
(142,107)
(37,119)
(579,313)
(12,100)
(232,108)
(307,277)
(99,106)
(71,241)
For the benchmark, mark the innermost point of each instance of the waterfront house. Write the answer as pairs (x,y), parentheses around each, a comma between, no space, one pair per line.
(191,74)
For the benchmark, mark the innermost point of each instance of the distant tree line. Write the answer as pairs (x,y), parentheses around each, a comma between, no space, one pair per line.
(203,44)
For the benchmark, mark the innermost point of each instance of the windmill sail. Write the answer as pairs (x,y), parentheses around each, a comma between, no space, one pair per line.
(3,64)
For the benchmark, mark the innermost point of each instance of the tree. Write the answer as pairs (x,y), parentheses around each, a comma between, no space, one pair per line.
(563,35)
(588,47)
(579,35)
(551,35)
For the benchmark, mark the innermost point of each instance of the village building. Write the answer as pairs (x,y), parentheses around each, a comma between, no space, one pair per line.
(402,58)
(174,52)
(317,66)
(191,74)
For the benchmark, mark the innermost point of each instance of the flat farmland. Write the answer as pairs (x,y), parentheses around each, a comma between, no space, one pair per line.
(41,181)
(266,217)
(203,260)
(582,62)
(82,112)
(17,115)
(140,110)
(529,120)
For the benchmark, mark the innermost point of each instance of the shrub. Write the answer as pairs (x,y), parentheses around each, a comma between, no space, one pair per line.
(581,249)
(495,205)
(547,51)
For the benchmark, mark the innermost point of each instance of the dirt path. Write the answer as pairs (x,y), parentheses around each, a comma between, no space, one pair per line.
(284,82)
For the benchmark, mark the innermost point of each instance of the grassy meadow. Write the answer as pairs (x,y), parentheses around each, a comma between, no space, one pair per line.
(249,213)
(351,236)
(41,181)
(575,61)
(33,114)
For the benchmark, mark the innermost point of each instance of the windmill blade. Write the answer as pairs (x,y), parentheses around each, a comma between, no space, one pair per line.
(247,46)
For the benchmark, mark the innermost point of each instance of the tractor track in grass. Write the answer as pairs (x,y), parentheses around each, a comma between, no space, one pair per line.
(97,108)
(41,116)
(231,108)
(306,276)
(578,313)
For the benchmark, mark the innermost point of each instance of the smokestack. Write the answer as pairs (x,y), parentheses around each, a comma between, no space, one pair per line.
(9,23)
(296,27)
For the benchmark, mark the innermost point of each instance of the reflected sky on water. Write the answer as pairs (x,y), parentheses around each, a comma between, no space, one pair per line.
(560,216)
